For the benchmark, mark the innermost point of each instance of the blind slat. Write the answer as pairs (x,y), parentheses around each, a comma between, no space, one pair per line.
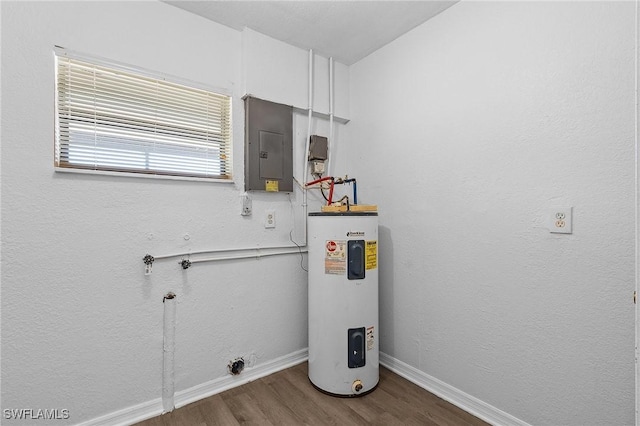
(112,120)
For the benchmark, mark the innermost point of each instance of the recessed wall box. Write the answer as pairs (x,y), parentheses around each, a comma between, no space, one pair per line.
(317,148)
(268,164)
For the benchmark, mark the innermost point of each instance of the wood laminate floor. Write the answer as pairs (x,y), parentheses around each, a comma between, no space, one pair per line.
(288,398)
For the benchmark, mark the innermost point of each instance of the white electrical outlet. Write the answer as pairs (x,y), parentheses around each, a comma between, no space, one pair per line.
(560,220)
(270,219)
(246,204)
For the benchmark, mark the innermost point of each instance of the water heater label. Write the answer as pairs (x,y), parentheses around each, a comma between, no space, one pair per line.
(369,338)
(335,258)
(371,254)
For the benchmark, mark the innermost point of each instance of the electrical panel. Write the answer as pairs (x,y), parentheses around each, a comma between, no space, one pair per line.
(268,162)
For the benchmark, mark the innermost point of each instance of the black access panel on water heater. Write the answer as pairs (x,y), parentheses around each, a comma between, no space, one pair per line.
(268,162)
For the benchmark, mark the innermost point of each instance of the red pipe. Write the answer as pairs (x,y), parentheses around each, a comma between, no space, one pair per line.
(313,182)
(330,188)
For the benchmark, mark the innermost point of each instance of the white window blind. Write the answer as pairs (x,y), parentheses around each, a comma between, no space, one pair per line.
(114,120)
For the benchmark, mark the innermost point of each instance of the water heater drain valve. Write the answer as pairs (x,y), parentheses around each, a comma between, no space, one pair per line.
(357,386)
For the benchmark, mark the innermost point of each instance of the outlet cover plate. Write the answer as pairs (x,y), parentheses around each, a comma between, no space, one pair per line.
(270,219)
(246,205)
(561,220)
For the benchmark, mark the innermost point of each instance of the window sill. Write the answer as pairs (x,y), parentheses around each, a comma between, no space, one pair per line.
(140,175)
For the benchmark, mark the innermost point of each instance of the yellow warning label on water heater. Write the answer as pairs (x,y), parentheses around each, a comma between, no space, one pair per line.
(271,186)
(371,254)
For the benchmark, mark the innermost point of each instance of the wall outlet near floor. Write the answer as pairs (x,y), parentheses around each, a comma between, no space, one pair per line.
(560,220)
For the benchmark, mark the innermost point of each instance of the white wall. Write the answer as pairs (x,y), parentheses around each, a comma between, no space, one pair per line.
(468,129)
(279,72)
(82,325)
(486,116)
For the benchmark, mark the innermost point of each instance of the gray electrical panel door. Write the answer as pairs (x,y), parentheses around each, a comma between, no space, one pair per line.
(268,164)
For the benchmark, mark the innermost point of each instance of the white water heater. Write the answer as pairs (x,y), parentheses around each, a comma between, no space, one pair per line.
(343,302)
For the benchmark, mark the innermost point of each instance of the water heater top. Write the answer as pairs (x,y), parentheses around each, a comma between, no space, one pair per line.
(343,213)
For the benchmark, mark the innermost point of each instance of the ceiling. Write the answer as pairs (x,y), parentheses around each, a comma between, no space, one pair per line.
(345,30)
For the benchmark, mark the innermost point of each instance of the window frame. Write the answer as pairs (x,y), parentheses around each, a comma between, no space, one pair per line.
(149,74)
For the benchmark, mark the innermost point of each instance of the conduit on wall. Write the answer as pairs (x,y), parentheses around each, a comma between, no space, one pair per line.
(168,351)
(306,149)
(637,207)
(331,116)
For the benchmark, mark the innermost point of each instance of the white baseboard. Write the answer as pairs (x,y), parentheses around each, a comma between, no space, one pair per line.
(222,384)
(468,403)
(129,415)
(146,410)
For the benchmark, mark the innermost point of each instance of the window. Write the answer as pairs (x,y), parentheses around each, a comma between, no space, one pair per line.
(112,119)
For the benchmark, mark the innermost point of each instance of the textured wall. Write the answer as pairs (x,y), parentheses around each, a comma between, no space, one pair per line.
(475,124)
(484,117)
(267,60)
(81,324)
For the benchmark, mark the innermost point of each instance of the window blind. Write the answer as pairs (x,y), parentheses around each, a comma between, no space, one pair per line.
(114,120)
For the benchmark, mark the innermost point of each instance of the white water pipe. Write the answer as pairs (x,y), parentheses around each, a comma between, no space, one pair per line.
(330,142)
(168,352)
(232,254)
(306,149)
(637,205)
(256,255)
(279,249)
